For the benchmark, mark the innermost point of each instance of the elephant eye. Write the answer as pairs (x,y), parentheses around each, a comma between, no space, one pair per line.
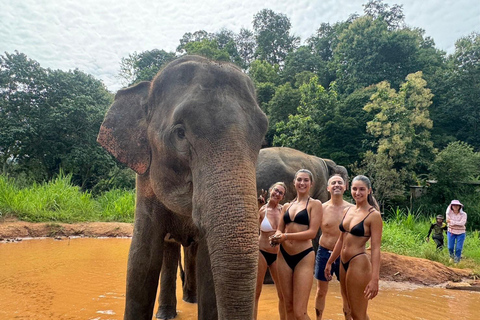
(180,133)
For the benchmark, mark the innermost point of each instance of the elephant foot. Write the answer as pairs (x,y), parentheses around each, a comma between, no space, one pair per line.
(166,312)
(189,297)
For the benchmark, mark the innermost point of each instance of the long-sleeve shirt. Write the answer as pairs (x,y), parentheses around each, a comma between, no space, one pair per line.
(456,221)
(437,230)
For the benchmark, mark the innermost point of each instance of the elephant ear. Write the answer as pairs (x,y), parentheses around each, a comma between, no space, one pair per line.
(123,132)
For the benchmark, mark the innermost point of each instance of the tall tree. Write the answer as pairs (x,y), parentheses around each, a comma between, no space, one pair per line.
(402,127)
(393,16)
(456,113)
(272,34)
(143,66)
(246,46)
(305,130)
(368,53)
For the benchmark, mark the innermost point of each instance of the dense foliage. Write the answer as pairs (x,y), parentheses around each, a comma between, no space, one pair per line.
(370,93)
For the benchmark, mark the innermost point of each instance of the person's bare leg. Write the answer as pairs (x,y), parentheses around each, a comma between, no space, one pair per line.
(358,276)
(320,297)
(285,278)
(281,302)
(262,269)
(302,286)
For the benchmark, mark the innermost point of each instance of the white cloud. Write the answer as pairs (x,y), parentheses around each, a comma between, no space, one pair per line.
(93,35)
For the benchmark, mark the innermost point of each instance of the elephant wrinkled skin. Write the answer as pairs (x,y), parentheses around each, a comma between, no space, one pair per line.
(273,165)
(192,135)
(281,163)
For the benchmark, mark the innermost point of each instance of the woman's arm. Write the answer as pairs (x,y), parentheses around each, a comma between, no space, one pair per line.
(376,226)
(280,228)
(261,214)
(316,213)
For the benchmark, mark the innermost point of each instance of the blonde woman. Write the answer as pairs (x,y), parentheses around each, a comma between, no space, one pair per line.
(269,218)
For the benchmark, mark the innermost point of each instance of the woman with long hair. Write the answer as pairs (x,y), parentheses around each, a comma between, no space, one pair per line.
(359,274)
(298,226)
(269,218)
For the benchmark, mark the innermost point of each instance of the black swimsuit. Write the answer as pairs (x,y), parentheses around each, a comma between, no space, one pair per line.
(269,257)
(300,218)
(357,230)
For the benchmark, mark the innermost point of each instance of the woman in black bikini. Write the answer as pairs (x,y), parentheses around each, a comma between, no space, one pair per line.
(299,225)
(359,274)
(269,217)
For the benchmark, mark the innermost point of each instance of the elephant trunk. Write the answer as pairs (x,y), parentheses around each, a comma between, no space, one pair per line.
(225,209)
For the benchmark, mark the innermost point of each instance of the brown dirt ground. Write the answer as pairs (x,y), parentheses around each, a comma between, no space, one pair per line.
(393,268)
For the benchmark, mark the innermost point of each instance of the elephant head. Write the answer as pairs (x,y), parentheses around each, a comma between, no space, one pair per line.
(281,164)
(192,135)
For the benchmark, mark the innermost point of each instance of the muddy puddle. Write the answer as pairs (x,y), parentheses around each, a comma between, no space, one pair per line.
(85,279)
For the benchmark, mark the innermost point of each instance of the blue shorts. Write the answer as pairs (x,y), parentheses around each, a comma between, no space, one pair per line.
(323,255)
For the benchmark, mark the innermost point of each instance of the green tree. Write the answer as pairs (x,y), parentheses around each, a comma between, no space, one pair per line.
(143,66)
(266,78)
(22,94)
(246,46)
(393,16)
(456,164)
(302,60)
(456,113)
(207,48)
(272,34)
(368,53)
(305,130)
(52,119)
(402,127)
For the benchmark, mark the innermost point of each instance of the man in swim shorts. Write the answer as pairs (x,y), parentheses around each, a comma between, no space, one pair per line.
(332,216)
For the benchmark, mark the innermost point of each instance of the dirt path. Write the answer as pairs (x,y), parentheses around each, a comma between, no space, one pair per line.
(394,267)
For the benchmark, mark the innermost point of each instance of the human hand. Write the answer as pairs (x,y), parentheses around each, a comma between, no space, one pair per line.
(371,290)
(277,238)
(261,198)
(328,271)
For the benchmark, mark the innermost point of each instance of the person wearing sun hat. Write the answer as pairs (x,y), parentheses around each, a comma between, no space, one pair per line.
(456,220)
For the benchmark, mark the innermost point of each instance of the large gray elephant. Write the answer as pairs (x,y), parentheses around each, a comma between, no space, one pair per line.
(192,135)
(273,165)
(281,163)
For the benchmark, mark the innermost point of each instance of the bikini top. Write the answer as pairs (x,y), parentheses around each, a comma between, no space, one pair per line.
(301,217)
(357,230)
(266,226)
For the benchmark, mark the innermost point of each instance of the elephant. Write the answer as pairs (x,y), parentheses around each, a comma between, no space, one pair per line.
(182,233)
(281,163)
(273,164)
(192,135)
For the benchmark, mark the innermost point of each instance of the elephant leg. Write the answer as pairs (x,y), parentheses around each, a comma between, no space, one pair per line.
(144,265)
(167,300)
(190,277)
(207,301)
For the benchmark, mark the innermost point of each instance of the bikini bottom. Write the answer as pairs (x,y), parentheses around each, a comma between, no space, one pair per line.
(293,260)
(346,264)
(269,257)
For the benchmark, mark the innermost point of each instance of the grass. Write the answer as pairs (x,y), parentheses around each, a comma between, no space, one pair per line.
(405,232)
(59,201)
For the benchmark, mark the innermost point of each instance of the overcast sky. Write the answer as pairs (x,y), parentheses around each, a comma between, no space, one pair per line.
(93,35)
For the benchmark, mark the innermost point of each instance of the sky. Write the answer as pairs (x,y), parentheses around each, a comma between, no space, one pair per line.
(94,35)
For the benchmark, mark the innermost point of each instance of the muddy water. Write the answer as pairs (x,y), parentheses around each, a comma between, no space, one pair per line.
(85,279)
